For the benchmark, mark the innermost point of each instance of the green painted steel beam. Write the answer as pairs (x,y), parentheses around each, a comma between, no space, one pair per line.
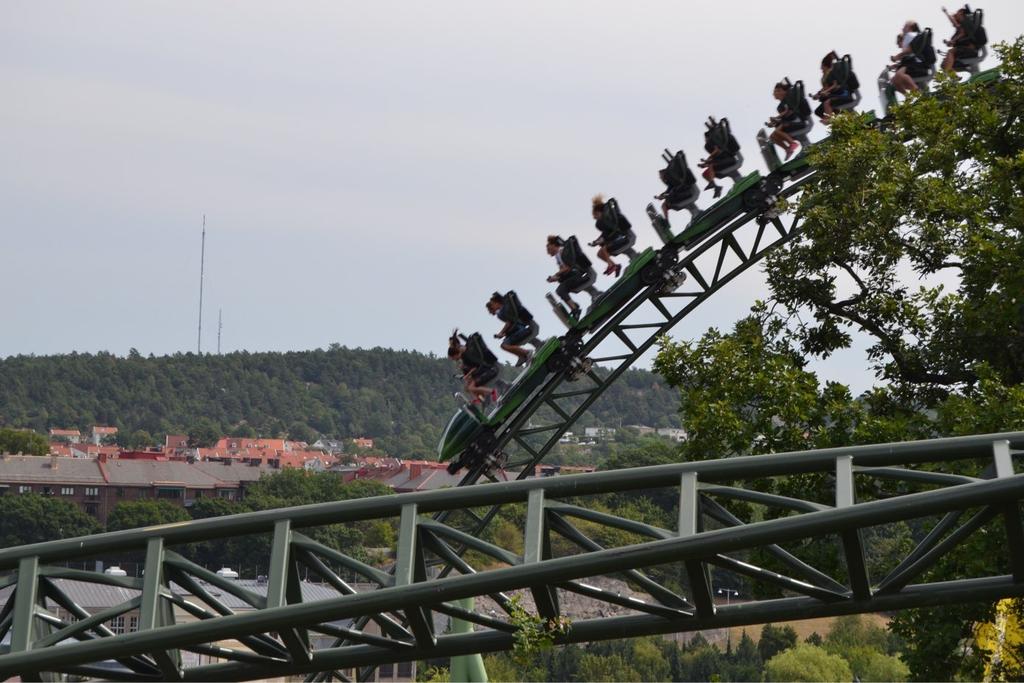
(280,591)
(25,599)
(907,572)
(152,584)
(410,572)
(710,471)
(536,548)
(743,614)
(154,612)
(689,526)
(605,519)
(279,556)
(784,582)
(1003,462)
(467,668)
(853,546)
(655,589)
(1000,495)
(554,571)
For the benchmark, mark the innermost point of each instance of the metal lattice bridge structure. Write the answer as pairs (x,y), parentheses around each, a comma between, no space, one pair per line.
(651,580)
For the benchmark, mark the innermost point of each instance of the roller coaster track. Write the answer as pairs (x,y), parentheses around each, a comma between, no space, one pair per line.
(568,544)
(183,612)
(714,258)
(738,242)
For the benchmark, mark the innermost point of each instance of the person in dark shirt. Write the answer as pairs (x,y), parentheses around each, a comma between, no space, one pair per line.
(833,91)
(516,331)
(784,121)
(612,235)
(476,371)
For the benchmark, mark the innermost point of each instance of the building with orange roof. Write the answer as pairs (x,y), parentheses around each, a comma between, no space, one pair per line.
(175,441)
(65,435)
(101,433)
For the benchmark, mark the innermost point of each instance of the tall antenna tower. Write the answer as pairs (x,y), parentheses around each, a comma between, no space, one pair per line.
(202,263)
(220,326)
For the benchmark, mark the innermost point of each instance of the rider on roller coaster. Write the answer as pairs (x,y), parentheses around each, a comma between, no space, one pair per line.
(520,327)
(478,365)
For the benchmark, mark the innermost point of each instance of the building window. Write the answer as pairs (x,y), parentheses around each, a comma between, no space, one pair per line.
(24,489)
(405,669)
(67,490)
(92,491)
(120,492)
(91,509)
(117,625)
(133,624)
(47,491)
(227,493)
(169,493)
(387,670)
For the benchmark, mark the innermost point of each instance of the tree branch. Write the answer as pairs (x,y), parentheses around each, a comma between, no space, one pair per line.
(909,368)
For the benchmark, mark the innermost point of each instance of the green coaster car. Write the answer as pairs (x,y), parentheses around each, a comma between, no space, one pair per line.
(469,435)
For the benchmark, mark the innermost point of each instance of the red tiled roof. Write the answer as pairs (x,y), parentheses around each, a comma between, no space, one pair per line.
(176,441)
(65,432)
(104,430)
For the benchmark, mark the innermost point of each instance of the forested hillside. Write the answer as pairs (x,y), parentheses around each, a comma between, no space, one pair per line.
(401,398)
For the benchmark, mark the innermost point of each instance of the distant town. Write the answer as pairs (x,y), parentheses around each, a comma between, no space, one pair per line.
(91,471)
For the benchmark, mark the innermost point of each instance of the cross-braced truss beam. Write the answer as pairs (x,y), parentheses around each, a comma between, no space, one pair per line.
(739,242)
(643,578)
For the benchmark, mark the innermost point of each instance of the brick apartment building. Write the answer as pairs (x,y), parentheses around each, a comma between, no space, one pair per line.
(96,485)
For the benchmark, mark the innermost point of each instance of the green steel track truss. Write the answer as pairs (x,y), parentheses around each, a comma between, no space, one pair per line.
(724,521)
(740,241)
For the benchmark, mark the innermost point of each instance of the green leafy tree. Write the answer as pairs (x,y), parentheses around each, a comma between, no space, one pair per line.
(433,674)
(701,662)
(855,631)
(807,663)
(137,440)
(23,441)
(132,514)
(774,639)
(401,398)
(865,647)
(204,508)
(204,433)
(289,488)
(244,431)
(607,668)
(745,662)
(936,193)
(533,634)
(912,236)
(938,641)
(31,518)
(300,431)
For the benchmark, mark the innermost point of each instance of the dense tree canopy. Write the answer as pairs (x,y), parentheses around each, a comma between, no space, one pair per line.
(289,488)
(912,235)
(32,518)
(402,399)
(23,441)
(132,514)
(807,663)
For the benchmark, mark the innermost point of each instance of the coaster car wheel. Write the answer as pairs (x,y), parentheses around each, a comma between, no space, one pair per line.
(656,269)
(561,360)
(761,196)
(477,452)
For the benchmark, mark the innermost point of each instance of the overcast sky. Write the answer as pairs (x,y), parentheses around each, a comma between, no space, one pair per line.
(369,171)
